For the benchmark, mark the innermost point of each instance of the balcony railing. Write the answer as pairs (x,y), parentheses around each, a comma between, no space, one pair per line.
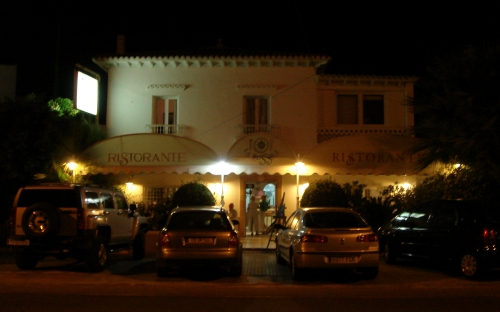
(247,129)
(180,130)
(325,134)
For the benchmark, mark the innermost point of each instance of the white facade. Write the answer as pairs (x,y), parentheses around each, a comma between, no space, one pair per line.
(260,114)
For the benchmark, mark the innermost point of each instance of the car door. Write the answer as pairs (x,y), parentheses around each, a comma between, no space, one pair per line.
(285,236)
(414,243)
(118,219)
(442,238)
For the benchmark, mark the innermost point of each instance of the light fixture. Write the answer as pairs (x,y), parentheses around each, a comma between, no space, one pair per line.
(298,167)
(129,182)
(72,166)
(222,166)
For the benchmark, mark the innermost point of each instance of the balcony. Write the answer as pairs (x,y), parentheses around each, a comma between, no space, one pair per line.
(247,129)
(325,134)
(180,130)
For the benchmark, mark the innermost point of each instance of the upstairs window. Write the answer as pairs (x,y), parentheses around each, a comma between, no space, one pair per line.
(373,109)
(354,109)
(347,109)
(164,113)
(256,111)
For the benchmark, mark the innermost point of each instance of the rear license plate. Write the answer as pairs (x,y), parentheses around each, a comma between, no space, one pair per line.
(15,242)
(200,240)
(354,259)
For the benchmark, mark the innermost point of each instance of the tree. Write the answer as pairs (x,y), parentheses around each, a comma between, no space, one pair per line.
(457,107)
(38,137)
(28,128)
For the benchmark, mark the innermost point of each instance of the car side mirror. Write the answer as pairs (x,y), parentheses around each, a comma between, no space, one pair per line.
(132,209)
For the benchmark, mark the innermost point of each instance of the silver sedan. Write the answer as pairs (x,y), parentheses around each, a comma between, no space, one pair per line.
(328,238)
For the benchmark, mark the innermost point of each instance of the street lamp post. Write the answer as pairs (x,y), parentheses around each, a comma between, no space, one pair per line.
(298,165)
(222,168)
(72,166)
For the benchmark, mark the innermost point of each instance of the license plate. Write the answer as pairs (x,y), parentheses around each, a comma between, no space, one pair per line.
(200,240)
(15,242)
(354,259)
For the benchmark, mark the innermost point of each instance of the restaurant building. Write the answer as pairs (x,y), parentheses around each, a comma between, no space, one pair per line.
(250,124)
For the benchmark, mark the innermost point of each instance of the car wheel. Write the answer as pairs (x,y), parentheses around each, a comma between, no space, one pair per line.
(26,259)
(389,253)
(139,246)
(370,273)
(236,270)
(41,221)
(161,271)
(279,259)
(297,273)
(97,255)
(469,266)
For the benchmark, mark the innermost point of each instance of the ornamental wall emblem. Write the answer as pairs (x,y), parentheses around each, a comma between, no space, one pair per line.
(261,150)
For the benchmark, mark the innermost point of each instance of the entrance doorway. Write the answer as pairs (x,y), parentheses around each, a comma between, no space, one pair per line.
(259,185)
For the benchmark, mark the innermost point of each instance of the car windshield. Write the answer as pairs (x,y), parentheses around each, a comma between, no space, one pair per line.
(184,220)
(333,219)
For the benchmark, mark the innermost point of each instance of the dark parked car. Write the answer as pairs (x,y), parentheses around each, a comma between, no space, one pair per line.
(199,237)
(464,232)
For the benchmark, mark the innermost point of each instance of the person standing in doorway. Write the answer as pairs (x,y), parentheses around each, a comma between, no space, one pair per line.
(263,206)
(253,216)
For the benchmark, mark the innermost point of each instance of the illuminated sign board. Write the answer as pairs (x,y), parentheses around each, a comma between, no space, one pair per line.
(86,93)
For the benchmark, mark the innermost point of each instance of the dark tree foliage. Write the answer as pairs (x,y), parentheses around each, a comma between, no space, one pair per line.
(28,128)
(37,140)
(457,108)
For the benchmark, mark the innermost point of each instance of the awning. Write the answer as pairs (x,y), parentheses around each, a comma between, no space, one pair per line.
(151,153)
(365,155)
(260,153)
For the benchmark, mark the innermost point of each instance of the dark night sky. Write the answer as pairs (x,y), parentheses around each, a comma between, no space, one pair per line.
(362,38)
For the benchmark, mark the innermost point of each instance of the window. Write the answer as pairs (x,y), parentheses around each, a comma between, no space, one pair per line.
(347,109)
(256,113)
(92,200)
(350,107)
(419,216)
(121,203)
(373,109)
(164,113)
(158,195)
(107,201)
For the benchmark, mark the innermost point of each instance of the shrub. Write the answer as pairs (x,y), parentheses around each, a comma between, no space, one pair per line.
(324,193)
(193,193)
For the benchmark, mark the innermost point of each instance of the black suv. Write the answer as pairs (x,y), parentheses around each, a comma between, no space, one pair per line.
(70,220)
(464,232)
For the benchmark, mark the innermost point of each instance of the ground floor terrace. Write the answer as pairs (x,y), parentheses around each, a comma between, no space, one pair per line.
(150,167)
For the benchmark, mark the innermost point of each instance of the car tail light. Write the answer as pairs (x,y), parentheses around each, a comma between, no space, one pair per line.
(80,218)
(367,238)
(489,238)
(12,221)
(308,238)
(164,239)
(233,239)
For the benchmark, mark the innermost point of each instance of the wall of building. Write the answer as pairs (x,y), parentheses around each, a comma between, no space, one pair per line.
(211,101)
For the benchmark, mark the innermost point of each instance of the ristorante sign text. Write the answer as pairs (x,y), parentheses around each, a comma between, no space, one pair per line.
(359,158)
(125,159)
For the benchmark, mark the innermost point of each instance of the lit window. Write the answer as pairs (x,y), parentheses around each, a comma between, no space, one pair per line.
(256,114)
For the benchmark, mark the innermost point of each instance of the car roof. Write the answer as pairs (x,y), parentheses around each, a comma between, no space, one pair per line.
(66,186)
(316,209)
(199,208)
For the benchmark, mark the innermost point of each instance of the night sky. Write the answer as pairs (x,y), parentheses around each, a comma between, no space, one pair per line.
(362,38)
